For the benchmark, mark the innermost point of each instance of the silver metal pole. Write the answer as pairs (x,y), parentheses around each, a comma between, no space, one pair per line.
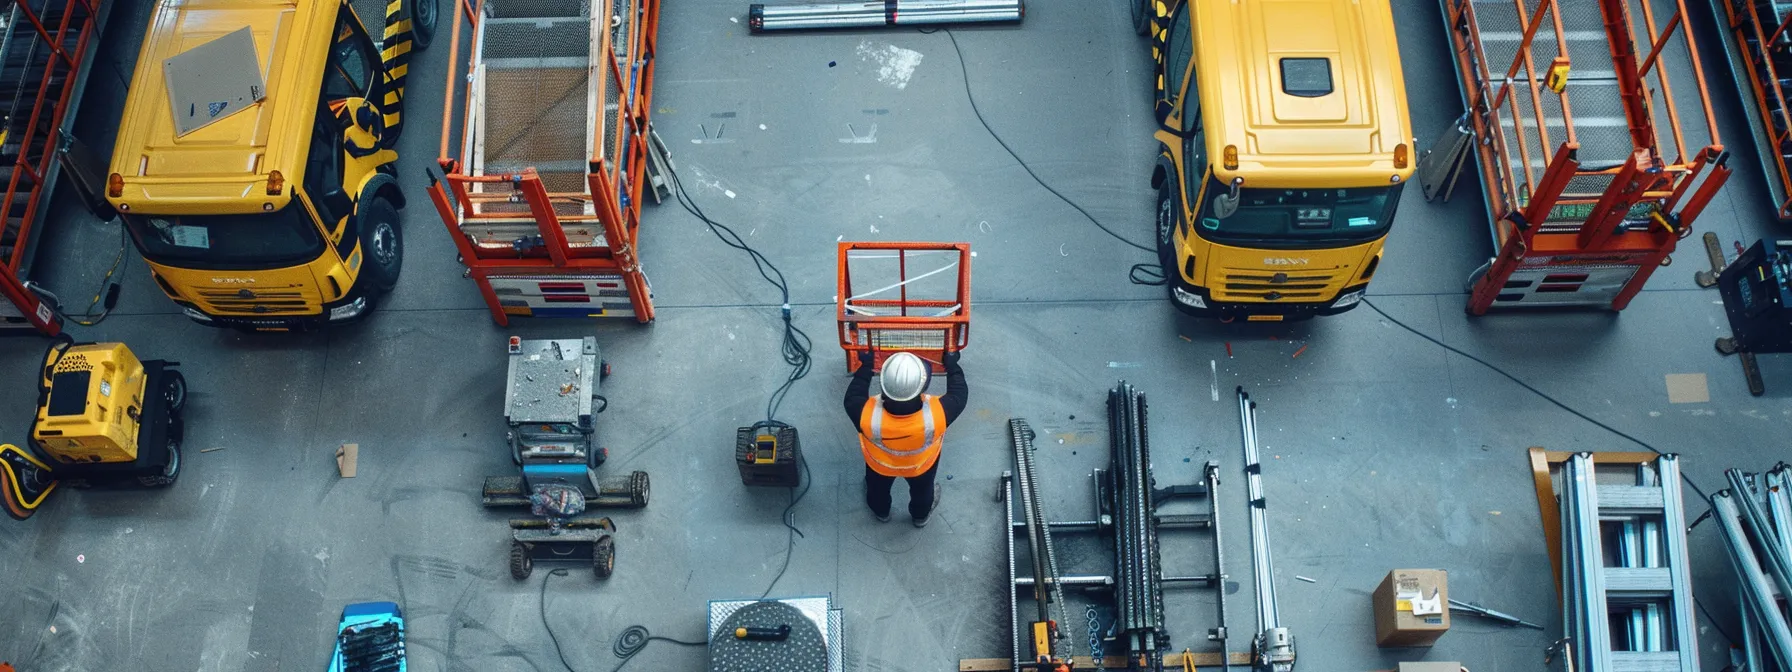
(761,18)
(1013,601)
(1273,648)
(1679,564)
(1755,585)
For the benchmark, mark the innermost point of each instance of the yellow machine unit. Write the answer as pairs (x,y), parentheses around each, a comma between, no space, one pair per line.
(96,398)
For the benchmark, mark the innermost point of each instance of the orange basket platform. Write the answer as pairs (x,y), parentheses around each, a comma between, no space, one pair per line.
(903,297)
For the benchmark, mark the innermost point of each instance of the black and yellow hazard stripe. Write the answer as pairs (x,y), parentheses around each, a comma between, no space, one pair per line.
(1160,24)
(395,54)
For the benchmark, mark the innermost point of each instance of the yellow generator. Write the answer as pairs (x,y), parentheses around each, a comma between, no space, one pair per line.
(104,417)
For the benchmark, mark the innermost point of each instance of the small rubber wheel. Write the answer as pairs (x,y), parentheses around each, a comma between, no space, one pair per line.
(382,245)
(639,488)
(595,456)
(604,370)
(603,557)
(169,473)
(175,392)
(1166,227)
(521,565)
(424,15)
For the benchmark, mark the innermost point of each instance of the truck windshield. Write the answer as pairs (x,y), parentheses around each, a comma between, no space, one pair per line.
(243,241)
(1301,217)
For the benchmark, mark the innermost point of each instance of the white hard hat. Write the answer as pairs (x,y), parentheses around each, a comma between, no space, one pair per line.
(904,377)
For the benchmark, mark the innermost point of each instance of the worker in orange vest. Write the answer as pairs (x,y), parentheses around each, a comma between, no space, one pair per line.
(901,429)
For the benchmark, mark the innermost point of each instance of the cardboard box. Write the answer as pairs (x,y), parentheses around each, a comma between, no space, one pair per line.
(1412,608)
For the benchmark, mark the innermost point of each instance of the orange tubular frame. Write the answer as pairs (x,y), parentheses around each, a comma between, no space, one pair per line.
(1555,218)
(950,318)
(610,200)
(1752,41)
(39,141)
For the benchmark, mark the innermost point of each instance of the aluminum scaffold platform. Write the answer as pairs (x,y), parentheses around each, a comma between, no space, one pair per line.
(1616,528)
(46,52)
(1760,54)
(545,144)
(1591,168)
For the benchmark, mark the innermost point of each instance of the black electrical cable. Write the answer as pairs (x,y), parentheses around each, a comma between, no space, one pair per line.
(796,347)
(965,72)
(542,603)
(108,290)
(634,638)
(1558,404)
(796,344)
(1150,274)
(1533,390)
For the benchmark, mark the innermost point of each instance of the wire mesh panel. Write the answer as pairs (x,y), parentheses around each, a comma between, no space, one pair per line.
(897,297)
(544,179)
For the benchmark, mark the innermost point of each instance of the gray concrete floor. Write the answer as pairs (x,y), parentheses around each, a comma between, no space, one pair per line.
(1382,450)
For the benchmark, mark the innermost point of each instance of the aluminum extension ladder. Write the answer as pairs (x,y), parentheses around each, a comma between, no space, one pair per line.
(1626,590)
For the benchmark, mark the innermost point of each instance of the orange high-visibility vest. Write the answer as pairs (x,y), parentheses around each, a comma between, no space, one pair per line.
(902,445)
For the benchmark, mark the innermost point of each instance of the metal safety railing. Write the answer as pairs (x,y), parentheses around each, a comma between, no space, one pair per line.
(913,297)
(544,148)
(1588,159)
(44,61)
(1760,55)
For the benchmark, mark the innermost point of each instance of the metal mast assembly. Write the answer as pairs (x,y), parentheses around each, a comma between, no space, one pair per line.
(1138,570)
(1618,540)
(1048,638)
(1126,504)
(1273,648)
(879,13)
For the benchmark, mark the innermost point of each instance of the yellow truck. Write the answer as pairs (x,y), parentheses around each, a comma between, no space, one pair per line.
(271,204)
(1285,147)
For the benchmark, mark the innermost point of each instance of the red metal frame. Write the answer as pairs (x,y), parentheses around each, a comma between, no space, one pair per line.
(1660,174)
(38,143)
(613,188)
(858,329)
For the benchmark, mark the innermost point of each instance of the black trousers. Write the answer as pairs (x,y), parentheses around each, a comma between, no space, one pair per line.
(920,492)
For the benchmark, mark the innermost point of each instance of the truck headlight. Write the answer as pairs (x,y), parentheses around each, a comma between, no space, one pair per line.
(1188,298)
(195,314)
(348,311)
(1348,300)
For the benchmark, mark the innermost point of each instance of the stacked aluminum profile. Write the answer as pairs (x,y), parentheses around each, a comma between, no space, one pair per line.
(761,18)
(1754,517)
(1637,613)
(1138,570)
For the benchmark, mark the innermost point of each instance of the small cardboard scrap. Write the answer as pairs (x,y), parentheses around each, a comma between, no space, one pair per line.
(1688,388)
(346,455)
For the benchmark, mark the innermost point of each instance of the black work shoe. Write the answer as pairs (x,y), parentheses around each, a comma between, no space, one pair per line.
(922,521)
(882,519)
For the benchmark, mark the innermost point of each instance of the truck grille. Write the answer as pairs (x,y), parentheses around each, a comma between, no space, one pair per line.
(265,302)
(1261,285)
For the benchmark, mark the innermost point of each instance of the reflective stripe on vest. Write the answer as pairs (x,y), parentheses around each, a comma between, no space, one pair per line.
(877,430)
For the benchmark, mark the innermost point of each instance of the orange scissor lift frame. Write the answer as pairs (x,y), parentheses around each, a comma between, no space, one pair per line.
(909,297)
(43,68)
(1760,52)
(1591,170)
(541,169)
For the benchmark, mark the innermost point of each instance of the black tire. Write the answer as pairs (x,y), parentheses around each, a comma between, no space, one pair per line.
(603,557)
(1141,15)
(639,489)
(170,473)
(521,565)
(175,392)
(382,245)
(424,16)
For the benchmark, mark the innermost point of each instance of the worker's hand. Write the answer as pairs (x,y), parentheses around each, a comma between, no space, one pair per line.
(950,358)
(866,358)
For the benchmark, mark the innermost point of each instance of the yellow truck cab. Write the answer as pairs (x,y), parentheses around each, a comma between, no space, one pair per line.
(1285,146)
(281,213)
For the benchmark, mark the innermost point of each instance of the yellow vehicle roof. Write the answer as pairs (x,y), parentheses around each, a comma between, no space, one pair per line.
(1341,138)
(223,167)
